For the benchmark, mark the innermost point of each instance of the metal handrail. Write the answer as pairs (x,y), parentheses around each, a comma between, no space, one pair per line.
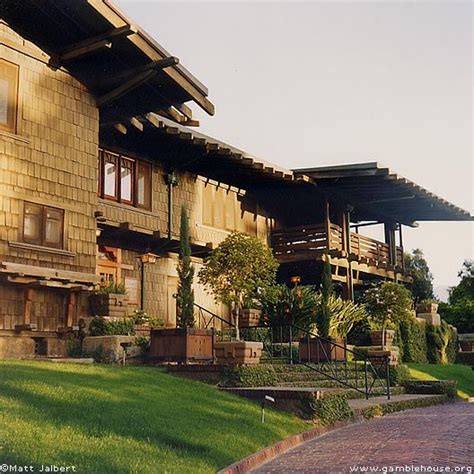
(214,317)
(330,367)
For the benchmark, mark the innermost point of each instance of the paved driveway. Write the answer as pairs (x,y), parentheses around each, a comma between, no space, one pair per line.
(432,437)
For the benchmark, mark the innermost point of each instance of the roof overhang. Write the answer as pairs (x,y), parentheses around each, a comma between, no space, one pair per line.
(126,70)
(375,192)
(182,148)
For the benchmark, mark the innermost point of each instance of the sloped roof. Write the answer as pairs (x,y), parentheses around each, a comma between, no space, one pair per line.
(374,190)
(105,51)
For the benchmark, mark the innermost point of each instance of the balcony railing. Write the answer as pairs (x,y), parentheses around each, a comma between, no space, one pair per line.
(298,243)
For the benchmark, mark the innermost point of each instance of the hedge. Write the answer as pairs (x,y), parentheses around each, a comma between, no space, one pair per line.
(411,339)
(250,376)
(330,408)
(442,343)
(435,387)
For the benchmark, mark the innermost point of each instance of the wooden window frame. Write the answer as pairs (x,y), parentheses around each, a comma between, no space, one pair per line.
(118,180)
(12,108)
(42,240)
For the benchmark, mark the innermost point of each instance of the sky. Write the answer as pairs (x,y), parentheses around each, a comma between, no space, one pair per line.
(317,83)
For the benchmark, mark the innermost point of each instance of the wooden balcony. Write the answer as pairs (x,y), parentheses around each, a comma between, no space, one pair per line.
(312,241)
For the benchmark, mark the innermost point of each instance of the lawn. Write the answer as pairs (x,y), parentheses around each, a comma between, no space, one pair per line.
(462,373)
(126,419)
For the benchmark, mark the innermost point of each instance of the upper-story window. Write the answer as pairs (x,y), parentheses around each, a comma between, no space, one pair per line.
(8,95)
(124,179)
(43,225)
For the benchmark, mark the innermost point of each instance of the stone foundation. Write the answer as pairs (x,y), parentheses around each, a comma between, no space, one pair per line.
(16,347)
(430,318)
(110,345)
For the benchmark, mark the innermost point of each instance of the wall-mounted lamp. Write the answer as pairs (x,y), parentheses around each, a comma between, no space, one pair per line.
(295,279)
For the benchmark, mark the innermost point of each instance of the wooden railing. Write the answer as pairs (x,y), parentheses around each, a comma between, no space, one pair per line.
(297,242)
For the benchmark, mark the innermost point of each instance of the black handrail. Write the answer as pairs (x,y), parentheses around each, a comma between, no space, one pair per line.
(325,363)
(214,317)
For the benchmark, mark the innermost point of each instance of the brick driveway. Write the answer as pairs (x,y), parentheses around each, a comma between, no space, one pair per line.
(441,435)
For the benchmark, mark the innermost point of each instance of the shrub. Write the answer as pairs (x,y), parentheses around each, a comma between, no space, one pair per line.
(442,343)
(144,343)
(99,326)
(282,306)
(331,408)
(435,387)
(74,347)
(249,376)
(412,341)
(112,287)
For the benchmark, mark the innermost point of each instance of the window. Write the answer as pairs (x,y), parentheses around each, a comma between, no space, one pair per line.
(43,225)
(8,95)
(131,185)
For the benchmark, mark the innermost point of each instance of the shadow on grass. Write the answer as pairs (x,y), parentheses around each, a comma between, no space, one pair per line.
(139,404)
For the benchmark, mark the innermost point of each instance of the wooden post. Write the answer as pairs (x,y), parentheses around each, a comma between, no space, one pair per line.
(327,225)
(400,236)
(390,240)
(28,305)
(71,308)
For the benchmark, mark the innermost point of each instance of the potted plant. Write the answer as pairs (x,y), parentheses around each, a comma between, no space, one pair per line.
(235,272)
(184,343)
(326,347)
(387,304)
(109,300)
(427,306)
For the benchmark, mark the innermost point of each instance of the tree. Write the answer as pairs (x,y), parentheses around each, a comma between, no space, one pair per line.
(237,270)
(185,294)
(417,267)
(324,319)
(387,304)
(460,310)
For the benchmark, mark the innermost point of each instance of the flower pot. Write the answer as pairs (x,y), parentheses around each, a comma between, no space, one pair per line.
(142,330)
(110,304)
(249,318)
(427,308)
(238,352)
(319,351)
(182,345)
(376,337)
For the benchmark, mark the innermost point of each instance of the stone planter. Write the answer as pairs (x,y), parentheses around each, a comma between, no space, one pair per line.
(249,318)
(427,308)
(182,345)
(376,337)
(320,351)
(430,318)
(376,355)
(110,346)
(238,352)
(108,305)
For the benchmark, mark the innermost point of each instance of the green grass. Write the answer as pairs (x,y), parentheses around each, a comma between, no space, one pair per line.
(126,419)
(462,373)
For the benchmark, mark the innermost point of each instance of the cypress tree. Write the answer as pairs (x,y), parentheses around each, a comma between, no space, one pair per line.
(185,295)
(326,292)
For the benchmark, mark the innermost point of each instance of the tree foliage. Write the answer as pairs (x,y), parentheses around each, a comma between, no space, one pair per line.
(238,269)
(387,304)
(460,310)
(417,267)
(185,294)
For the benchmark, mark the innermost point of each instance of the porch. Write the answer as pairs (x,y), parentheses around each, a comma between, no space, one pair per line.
(309,242)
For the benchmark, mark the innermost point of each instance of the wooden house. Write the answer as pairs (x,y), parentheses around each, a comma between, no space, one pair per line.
(99,152)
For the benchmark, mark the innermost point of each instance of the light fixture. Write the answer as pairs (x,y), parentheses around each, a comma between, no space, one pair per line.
(148,258)
(295,279)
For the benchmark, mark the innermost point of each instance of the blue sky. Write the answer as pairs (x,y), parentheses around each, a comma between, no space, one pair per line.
(314,83)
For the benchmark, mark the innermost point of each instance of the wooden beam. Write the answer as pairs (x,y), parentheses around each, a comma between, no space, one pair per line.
(120,127)
(125,88)
(90,45)
(71,308)
(28,304)
(136,123)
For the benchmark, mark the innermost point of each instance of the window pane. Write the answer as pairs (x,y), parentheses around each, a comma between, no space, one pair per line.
(126,179)
(32,223)
(143,185)
(110,175)
(53,232)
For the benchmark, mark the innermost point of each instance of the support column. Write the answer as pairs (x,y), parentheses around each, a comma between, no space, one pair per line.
(71,309)
(28,295)
(327,225)
(390,240)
